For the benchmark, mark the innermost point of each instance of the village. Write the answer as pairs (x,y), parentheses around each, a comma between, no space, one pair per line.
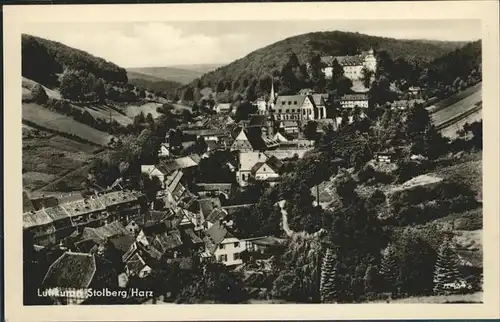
(119,236)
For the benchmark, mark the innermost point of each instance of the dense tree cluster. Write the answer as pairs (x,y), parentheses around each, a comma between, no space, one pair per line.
(43,59)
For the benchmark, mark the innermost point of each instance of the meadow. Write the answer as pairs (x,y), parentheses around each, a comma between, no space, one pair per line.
(42,117)
(48,157)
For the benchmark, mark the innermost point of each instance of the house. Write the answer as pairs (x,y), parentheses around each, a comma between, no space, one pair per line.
(137,266)
(250,139)
(108,232)
(261,106)
(72,274)
(289,127)
(164,150)
(223,245)
(214,189)
(352,65)
(352,100)
(223,108)
(203,207)
(306,91)
(264,245)
(267,170)
(247,160)
(155,171)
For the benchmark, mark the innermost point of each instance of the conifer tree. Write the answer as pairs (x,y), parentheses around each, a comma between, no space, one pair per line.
(389,268)
(446,268)
(328,283)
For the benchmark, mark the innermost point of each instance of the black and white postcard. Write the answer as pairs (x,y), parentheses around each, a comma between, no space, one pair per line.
(250,155)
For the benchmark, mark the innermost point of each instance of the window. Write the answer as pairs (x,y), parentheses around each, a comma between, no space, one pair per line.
(221,246)
(236,244)
(295,102)
(236,256)
(289,102)
(287,111)
(222,258)
(293,110)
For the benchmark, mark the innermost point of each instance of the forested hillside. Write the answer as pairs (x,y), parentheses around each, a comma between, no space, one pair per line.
(456,70)
(43,59)
(152,83)
(269,60)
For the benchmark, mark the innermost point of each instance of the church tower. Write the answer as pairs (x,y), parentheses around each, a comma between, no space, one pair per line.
(270,111)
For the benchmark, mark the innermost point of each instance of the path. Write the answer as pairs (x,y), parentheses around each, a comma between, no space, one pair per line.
(288,231)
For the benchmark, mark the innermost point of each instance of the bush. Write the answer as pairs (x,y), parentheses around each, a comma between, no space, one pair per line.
(39,94)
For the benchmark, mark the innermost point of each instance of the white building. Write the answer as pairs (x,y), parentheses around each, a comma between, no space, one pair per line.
(247,160)
(353,100)
(352,65)
(223,246)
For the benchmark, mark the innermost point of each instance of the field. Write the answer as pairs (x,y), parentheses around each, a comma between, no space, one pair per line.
(457,108)
(52,121)
(468,171)
(132,110)
(48,157)
(104,112)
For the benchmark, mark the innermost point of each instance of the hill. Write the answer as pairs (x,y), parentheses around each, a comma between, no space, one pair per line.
(180,75)
(43,60)
(201,68)
(152,83)
(269,60)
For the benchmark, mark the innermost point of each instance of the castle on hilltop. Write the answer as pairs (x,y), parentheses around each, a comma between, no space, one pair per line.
(352,65)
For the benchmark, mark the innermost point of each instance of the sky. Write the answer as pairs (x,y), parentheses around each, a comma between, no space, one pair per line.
(155,44)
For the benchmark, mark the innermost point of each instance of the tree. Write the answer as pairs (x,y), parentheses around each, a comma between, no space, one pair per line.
(446,268)
(344,85)
(244,110)
(328,282)
(100,91)
(39,94)
(389,269)
(201,145)
(370,279)
(71,85)
(311,130)
(366,77)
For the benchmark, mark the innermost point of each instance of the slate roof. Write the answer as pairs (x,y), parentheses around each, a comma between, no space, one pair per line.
(135,264)
(319,99)
(274,163)
(206,205)
(195,239)
(27,205)
(214,236)
(107,231)
(214,186)
(122,242)
(71,270)
(44,202)
(248,159)
(85,245)
(290,100)
(257,120)
(179,163)
(167,241)
(216,215)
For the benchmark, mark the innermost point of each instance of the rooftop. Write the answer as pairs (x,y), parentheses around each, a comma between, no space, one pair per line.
(71,270)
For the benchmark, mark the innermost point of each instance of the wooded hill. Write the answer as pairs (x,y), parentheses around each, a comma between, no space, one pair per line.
(270,59)
(43,59)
